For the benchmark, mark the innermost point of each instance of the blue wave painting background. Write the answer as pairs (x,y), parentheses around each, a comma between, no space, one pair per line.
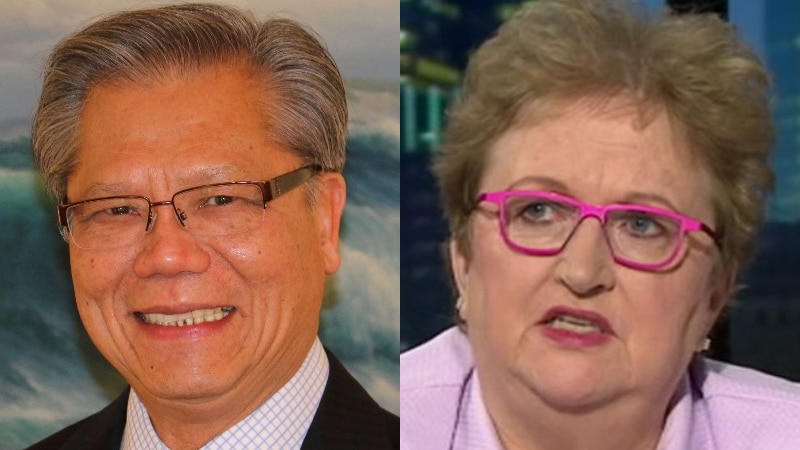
(50,373)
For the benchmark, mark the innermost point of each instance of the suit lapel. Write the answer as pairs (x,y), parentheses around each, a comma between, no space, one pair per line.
(347,417)
(103,430)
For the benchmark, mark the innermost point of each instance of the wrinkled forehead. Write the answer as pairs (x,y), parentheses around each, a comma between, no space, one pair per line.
(175,126)
(600,149)
(638,111)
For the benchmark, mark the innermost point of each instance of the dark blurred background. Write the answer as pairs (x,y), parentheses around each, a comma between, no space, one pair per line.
(437,37)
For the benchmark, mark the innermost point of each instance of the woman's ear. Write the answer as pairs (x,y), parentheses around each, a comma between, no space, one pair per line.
(725,287)
(459,268)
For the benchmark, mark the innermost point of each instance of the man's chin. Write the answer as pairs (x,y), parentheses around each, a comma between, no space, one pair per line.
(184,387)
(182,376)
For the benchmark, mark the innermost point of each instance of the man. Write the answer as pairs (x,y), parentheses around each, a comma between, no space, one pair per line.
(197,155)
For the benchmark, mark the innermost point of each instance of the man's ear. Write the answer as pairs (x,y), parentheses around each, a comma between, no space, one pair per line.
(459,267)
(329,206)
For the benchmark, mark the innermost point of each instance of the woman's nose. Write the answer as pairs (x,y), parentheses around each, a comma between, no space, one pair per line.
(586,264)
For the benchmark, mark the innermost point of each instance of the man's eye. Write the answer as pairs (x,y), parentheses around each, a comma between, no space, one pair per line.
(121,210)
(104,213)
(219,200)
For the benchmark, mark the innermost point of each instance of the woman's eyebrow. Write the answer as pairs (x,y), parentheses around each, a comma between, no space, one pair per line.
(648,198)
(542,182)
(553,184)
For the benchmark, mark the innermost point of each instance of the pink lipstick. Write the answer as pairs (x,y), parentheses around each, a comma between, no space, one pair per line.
(575,328)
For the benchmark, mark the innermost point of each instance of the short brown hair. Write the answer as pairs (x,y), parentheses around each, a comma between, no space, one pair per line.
(694,66)
(309,117)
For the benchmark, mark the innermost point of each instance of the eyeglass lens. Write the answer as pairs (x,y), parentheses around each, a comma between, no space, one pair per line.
(205,211)
(544,225)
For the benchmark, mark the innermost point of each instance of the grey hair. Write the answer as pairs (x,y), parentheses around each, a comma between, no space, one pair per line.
(307,112)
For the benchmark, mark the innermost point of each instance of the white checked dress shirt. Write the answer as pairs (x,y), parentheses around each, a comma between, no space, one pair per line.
(279,423)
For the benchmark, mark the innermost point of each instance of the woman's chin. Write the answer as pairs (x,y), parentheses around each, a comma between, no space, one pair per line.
(574,387)
(573,399)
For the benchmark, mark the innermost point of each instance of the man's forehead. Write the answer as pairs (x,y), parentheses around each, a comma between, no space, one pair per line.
(134,170)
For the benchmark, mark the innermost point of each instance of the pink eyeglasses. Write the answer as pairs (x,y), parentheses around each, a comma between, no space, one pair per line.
(640,237)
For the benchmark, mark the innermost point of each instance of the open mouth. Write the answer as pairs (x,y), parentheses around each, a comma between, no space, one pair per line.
(576,321)
(574,324)
(195,317)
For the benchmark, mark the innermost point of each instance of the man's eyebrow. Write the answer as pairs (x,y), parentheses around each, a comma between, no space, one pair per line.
(197,176)
(96,190)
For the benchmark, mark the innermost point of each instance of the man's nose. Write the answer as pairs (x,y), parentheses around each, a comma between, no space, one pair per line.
(168,248)
(586,264)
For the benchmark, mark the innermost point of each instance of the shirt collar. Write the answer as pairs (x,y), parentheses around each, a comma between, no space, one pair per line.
(280,422)
(688,423)
(474,427)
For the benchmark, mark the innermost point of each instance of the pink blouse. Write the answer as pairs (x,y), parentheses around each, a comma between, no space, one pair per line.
(717,406)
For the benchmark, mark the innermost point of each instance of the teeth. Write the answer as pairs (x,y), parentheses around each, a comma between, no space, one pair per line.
(574,324)
(195,317)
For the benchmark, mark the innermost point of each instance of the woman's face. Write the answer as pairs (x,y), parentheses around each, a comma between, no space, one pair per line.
(652,321)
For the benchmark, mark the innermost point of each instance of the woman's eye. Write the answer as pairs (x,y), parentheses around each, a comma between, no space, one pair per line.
(540,211)
(537,211)
(643,225)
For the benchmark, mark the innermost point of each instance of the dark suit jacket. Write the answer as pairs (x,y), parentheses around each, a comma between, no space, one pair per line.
(347,418)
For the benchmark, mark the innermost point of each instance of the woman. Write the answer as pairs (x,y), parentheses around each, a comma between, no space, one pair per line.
(603,178)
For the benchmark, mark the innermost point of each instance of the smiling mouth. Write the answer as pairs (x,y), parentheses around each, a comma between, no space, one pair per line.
(195,317)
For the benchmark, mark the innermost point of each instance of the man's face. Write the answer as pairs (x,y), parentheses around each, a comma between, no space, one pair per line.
(153,140)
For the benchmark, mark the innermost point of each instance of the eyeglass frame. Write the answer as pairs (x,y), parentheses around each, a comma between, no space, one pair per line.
(600,212)
(270,190)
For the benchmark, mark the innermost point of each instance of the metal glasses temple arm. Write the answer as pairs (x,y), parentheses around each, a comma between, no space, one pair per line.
(284,183)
